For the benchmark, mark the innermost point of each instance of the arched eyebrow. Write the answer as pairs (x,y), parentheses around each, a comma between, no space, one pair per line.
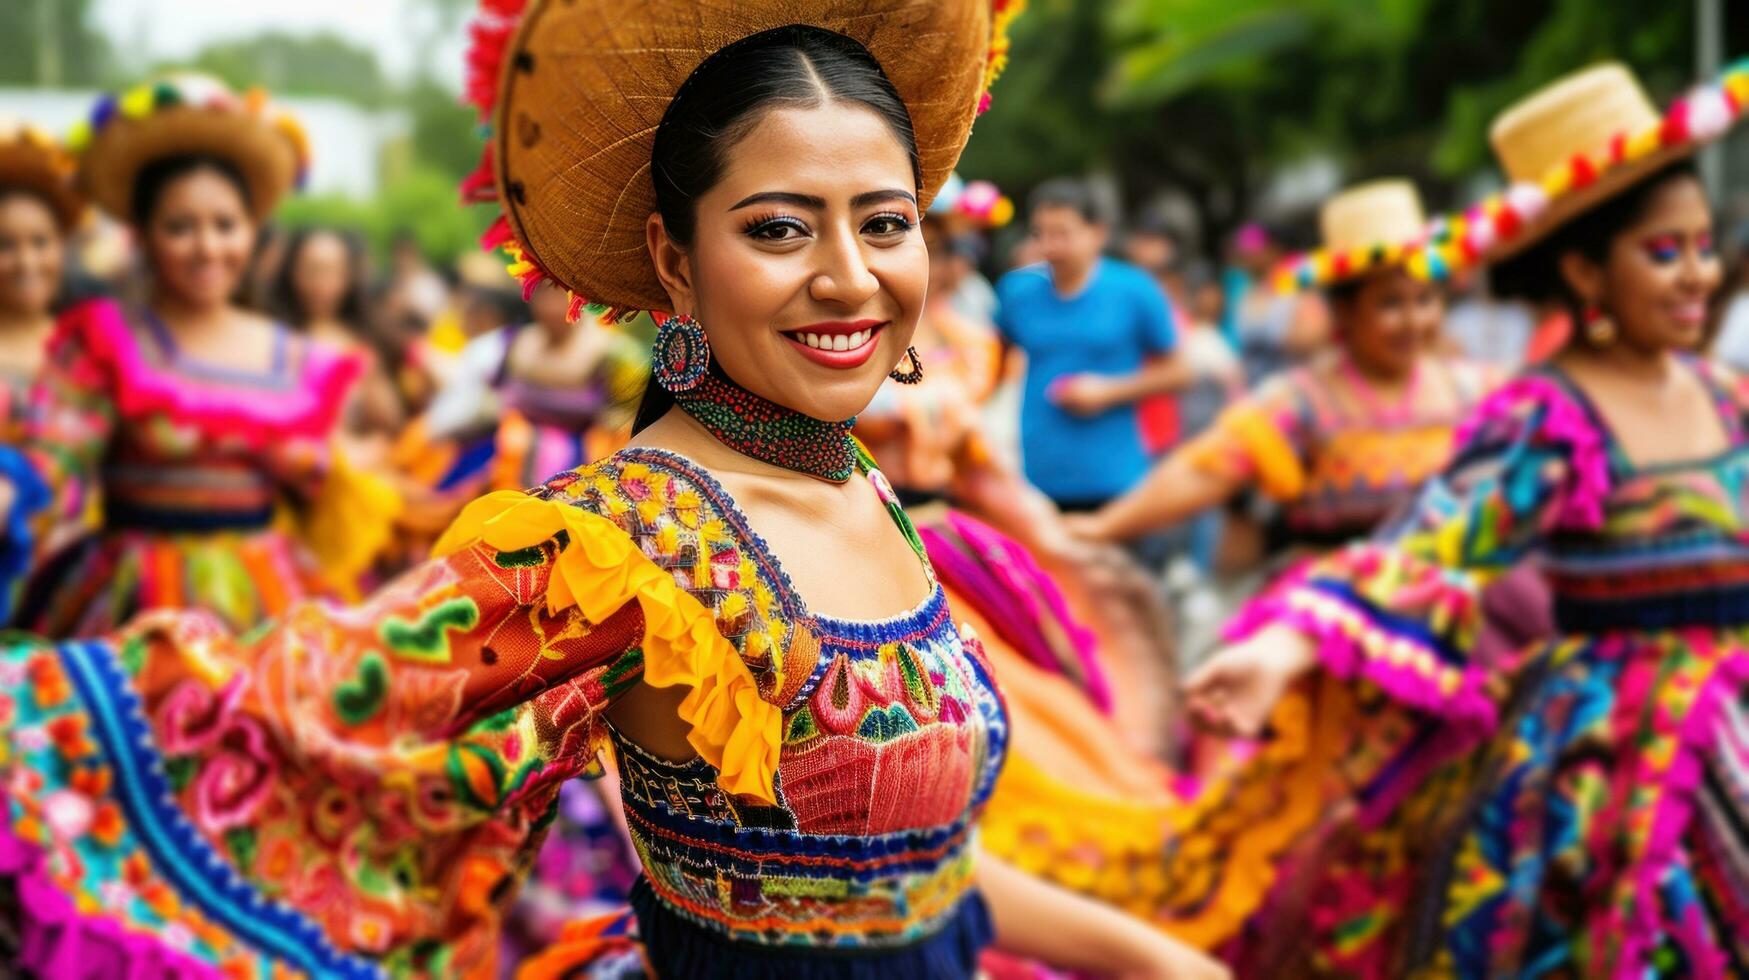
(862,200)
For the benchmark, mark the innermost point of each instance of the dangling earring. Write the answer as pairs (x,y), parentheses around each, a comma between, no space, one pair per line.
(1599,329)
(681,355)
(912,376)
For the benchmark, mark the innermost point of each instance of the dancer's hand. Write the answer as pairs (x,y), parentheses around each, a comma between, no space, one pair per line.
(8,500)
(1235,690)
(1086,526)
(1081,394)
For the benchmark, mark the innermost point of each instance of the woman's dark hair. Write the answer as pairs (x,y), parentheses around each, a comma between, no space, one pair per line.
(1065,192)
(1344,292)
(154,177)
(1535,275)
(283,297)
(790,67)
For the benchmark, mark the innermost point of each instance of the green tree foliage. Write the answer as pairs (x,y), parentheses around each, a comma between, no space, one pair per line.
(423,202)
(51,42)
(445,134)
(323,64)
(1212,96)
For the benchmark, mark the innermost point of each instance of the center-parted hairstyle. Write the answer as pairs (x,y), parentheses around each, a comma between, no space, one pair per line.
(790,67)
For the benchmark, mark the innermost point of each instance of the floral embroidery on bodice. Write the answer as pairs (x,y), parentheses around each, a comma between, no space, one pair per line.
(893,735)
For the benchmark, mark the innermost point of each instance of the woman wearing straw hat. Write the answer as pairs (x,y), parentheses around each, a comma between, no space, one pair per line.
(188,422)
(1342,442)
(800,766)
(38,210)
(1608,837)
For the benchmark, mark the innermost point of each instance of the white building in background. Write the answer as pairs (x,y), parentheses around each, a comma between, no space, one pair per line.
(346,142)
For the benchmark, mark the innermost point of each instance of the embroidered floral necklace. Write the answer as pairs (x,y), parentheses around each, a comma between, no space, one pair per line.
(769,432)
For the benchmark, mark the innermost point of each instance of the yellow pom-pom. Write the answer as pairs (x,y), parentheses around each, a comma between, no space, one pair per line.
(1558,181)
(1002,212)
(1737,83)
(79,137)
(137,104)
(1419,266)
(1642,144)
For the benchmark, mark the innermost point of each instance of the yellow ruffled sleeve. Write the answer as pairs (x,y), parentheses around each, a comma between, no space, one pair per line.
(1250,441)
(599,570)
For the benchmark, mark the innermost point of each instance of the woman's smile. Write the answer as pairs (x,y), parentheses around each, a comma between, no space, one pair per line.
(837,344)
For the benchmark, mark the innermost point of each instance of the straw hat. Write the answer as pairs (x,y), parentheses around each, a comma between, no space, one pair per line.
(183,113)
(1378,224)
(1578,142)
(575,90)
(35,161)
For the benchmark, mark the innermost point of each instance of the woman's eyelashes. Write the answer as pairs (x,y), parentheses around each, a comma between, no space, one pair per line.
(888,224)
(885,226)
(776,228)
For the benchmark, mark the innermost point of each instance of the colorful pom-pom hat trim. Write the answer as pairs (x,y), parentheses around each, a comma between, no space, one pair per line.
(978,203)
(572,93)
(187,112)
(1578,142)
(1376,225)
(32,159)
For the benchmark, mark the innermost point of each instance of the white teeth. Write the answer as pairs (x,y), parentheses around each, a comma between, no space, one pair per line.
(859,338)
(841,342)
(811,339)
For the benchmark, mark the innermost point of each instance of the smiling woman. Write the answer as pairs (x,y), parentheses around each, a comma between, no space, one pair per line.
(187,442)
(735,607)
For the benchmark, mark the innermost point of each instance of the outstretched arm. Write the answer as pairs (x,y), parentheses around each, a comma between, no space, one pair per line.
(1041,921)
(1175,490)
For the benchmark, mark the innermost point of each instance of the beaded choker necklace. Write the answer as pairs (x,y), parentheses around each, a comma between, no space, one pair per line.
(769,432)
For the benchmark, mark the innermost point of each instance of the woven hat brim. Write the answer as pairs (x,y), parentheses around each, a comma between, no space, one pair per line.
(585,85)
(1573,204)
(28,168)
(263,154)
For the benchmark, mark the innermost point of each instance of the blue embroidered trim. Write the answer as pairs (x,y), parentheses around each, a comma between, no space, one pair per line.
(680,839)
(1390,622)
(996,722)
(177,850)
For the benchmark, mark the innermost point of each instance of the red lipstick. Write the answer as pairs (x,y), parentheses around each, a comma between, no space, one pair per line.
(837,344)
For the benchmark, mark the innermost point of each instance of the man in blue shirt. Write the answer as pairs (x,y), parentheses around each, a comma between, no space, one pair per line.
(1097,334)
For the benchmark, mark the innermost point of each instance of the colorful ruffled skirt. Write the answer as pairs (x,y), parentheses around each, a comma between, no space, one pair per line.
(1612,836)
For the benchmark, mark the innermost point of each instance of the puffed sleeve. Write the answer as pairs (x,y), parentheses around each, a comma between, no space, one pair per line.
(382,772)
(1259,439)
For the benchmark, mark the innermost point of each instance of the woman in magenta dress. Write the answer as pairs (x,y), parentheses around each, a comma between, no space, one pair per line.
(188,442)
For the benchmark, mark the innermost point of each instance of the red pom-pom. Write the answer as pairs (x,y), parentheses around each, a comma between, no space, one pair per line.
(1584,171)
(1618,148)
(1340,265)
(1675,129)
(1507,222)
